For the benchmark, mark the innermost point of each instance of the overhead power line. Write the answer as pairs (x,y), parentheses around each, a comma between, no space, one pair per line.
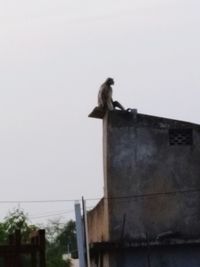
(51,215)
(38,201)
(155,194)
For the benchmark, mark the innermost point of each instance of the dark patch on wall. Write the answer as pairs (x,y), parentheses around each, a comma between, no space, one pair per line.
(180,137)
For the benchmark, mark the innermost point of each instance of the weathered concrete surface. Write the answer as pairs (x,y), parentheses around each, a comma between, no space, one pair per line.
(157,257)
(151,188)
(98,222)
(168,256)
(150,183)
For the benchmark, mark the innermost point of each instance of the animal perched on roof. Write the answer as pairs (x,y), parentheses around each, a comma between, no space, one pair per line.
(105,95)
(105,100)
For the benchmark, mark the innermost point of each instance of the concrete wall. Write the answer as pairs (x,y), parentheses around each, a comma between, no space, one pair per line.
(98,223)
(182,256)
(157,257)
(151,192)
(140,162)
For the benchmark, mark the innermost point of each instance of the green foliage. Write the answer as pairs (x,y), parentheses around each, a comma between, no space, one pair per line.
(67,238)
(18,220)
(60,238)
(3,234)
(15,220)
(54,257)
(63,242)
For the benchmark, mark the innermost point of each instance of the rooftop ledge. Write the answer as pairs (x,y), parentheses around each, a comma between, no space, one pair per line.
(126,118)
(99,113)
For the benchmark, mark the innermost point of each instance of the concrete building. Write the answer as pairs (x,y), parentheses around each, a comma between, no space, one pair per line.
(150,212)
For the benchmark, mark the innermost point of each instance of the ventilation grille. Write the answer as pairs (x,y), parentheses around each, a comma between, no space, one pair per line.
(180,137)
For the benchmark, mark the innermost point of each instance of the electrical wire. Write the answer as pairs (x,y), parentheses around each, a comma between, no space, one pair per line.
(48,212)
(38,201)
(156,194)
(51,215)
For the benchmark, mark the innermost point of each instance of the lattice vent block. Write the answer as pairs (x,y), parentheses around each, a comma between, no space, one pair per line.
(180,137)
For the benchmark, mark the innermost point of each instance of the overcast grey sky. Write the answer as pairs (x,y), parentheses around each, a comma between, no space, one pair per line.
(54,54)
